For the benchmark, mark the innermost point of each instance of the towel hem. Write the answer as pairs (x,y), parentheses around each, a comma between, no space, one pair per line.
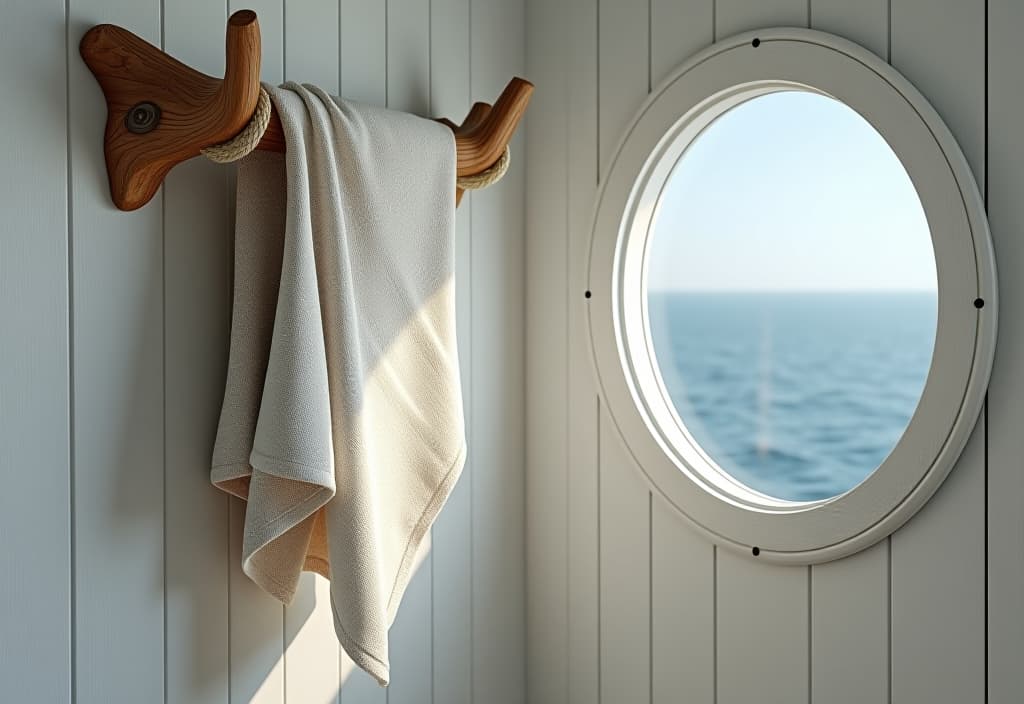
(430,512)
(377,668)
(311,474)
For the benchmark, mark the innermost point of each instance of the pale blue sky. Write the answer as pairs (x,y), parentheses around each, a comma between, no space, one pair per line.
(791,191)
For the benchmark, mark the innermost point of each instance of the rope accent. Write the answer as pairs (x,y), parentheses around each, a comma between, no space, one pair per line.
(488,176)
(245,141)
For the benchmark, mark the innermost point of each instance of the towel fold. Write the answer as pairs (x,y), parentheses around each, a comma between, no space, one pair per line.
(342,422)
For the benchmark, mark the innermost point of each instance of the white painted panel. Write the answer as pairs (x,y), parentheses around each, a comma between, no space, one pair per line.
(411,636)
(582,175)
(865,22)
(499,625)
(682,608)
(256,620)
(118,401)
(850,597)
(1006,395)
(270,14)
(938,590)
(940,47)
(363,37)
(35,555)
(547,358)
(408,66)
(257,629)
(311,43)
(762,615)
(623,70)
(452,645)
(364,51)
(734,16)
(311,664)
(679,29)
(850,628)
(625,572)
(197,300)
(938,558)
(312,656)
(357,686)
(762,610)
(158,615)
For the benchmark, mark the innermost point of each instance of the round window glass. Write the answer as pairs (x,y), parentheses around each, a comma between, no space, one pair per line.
(790,285)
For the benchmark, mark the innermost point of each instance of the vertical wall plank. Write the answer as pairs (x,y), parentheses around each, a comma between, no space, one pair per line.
(865,22)
(311,43)
(625,572)
(118,401)
(951,76)
(496,48)
(734,16)
(1006,395)
(938,590)
(408,89)
(408,60)
(546,358)
(938,558)
(196,323)
(763,638)
(762,631)
(850,628)
(364,51)
(35,555)
(452,549)
(683,563)
(679,29)
(257,629)
(623,70)
(682,608)
(357,686)
(411,637)
(271,19)
(256,620)
(582,174)
(850,597)
(312,664)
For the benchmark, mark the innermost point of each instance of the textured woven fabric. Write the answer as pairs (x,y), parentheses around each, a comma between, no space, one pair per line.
(342,422)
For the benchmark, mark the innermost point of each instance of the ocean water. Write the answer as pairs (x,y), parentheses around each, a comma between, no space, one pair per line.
(797,395)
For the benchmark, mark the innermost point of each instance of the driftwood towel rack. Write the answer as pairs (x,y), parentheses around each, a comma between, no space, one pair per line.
(161,112)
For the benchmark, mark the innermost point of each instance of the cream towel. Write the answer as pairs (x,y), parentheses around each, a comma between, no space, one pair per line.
(342,421)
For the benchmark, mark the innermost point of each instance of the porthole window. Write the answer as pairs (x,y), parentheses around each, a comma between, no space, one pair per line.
(791,295)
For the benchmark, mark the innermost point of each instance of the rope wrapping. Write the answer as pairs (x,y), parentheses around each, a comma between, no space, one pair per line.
(245,142)
(488,176)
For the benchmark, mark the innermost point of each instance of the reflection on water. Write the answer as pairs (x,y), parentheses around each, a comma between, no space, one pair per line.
(798,395)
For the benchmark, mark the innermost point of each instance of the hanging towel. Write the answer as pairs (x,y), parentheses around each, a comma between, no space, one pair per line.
(342,422)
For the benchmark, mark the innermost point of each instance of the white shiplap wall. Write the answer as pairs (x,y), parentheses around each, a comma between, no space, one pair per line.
(626,603)
(119,563)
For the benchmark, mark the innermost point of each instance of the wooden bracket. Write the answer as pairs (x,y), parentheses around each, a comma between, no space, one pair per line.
(161,112)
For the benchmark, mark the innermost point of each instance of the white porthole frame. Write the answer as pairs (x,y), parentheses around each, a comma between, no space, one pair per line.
(725,74)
